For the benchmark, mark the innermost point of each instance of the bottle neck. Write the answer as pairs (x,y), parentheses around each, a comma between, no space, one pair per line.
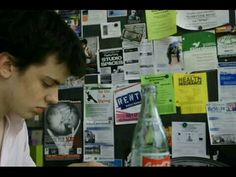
(149,105)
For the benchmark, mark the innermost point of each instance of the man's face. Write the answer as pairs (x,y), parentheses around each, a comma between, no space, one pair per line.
(31,92)
(133,12)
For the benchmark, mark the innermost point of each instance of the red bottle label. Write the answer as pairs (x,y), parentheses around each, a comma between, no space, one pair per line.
(154,162)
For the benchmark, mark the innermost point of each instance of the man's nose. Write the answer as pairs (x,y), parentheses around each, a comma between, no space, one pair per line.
(52,98)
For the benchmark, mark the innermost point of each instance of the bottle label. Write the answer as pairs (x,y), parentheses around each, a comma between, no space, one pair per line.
(153,160)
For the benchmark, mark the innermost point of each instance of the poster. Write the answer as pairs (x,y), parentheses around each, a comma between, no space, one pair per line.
(63,131)
(131,56)
(199,50)
(110,30)
(226,83)
(221,119)
(189,139)
(191,92)
(165,91)
(111,64)
(157,27)
(98,123)
(127,103)
(93,17)
(146,61)
(226,40)
(201,19)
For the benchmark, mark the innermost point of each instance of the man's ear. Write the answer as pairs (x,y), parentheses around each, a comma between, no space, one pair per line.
(6,65)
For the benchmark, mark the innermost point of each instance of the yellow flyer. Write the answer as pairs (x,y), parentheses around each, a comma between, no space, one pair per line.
(191,92)
(160,23)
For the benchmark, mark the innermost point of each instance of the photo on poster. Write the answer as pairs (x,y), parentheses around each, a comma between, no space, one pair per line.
(135,16)
(91,46)
(134,33)
(168,52)
(131,35)
(63,131)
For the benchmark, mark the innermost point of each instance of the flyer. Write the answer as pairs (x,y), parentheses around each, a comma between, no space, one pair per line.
(191,92)
(63,131)
(165,91)
(127,103)
(199,50)
(222,122)
(201,19)
(98,129)
(189,139)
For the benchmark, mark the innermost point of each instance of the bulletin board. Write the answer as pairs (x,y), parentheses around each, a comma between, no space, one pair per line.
(124,133)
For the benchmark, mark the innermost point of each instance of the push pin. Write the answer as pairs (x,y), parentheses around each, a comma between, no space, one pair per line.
(184,125)
(200,28)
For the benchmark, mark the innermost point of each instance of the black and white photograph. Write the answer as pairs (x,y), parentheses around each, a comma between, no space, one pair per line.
(90,46)
(63,131)
(131,35)
(231,106)
(135,16)
(89,136)
(223,139)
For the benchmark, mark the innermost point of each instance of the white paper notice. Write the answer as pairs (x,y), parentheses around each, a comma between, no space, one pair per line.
(227,84)
(98,123)
(199,51)
(222,122)
(188,139)
(201,19)
(131,61)
(110,30)
(146,57)
(93,17)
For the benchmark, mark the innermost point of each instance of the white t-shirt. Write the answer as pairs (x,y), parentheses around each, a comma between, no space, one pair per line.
(15,147)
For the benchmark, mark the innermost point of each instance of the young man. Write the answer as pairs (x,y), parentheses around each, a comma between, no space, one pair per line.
(90,57)
(133,17)
(38,51)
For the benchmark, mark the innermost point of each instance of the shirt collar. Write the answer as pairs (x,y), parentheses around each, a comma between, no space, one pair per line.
(14,122)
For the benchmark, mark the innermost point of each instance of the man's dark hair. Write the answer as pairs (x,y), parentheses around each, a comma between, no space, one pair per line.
(31,36)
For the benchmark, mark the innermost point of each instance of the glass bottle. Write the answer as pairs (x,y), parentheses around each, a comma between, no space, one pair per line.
(149,145)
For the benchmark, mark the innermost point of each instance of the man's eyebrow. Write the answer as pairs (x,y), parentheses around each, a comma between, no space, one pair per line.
(54,80)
